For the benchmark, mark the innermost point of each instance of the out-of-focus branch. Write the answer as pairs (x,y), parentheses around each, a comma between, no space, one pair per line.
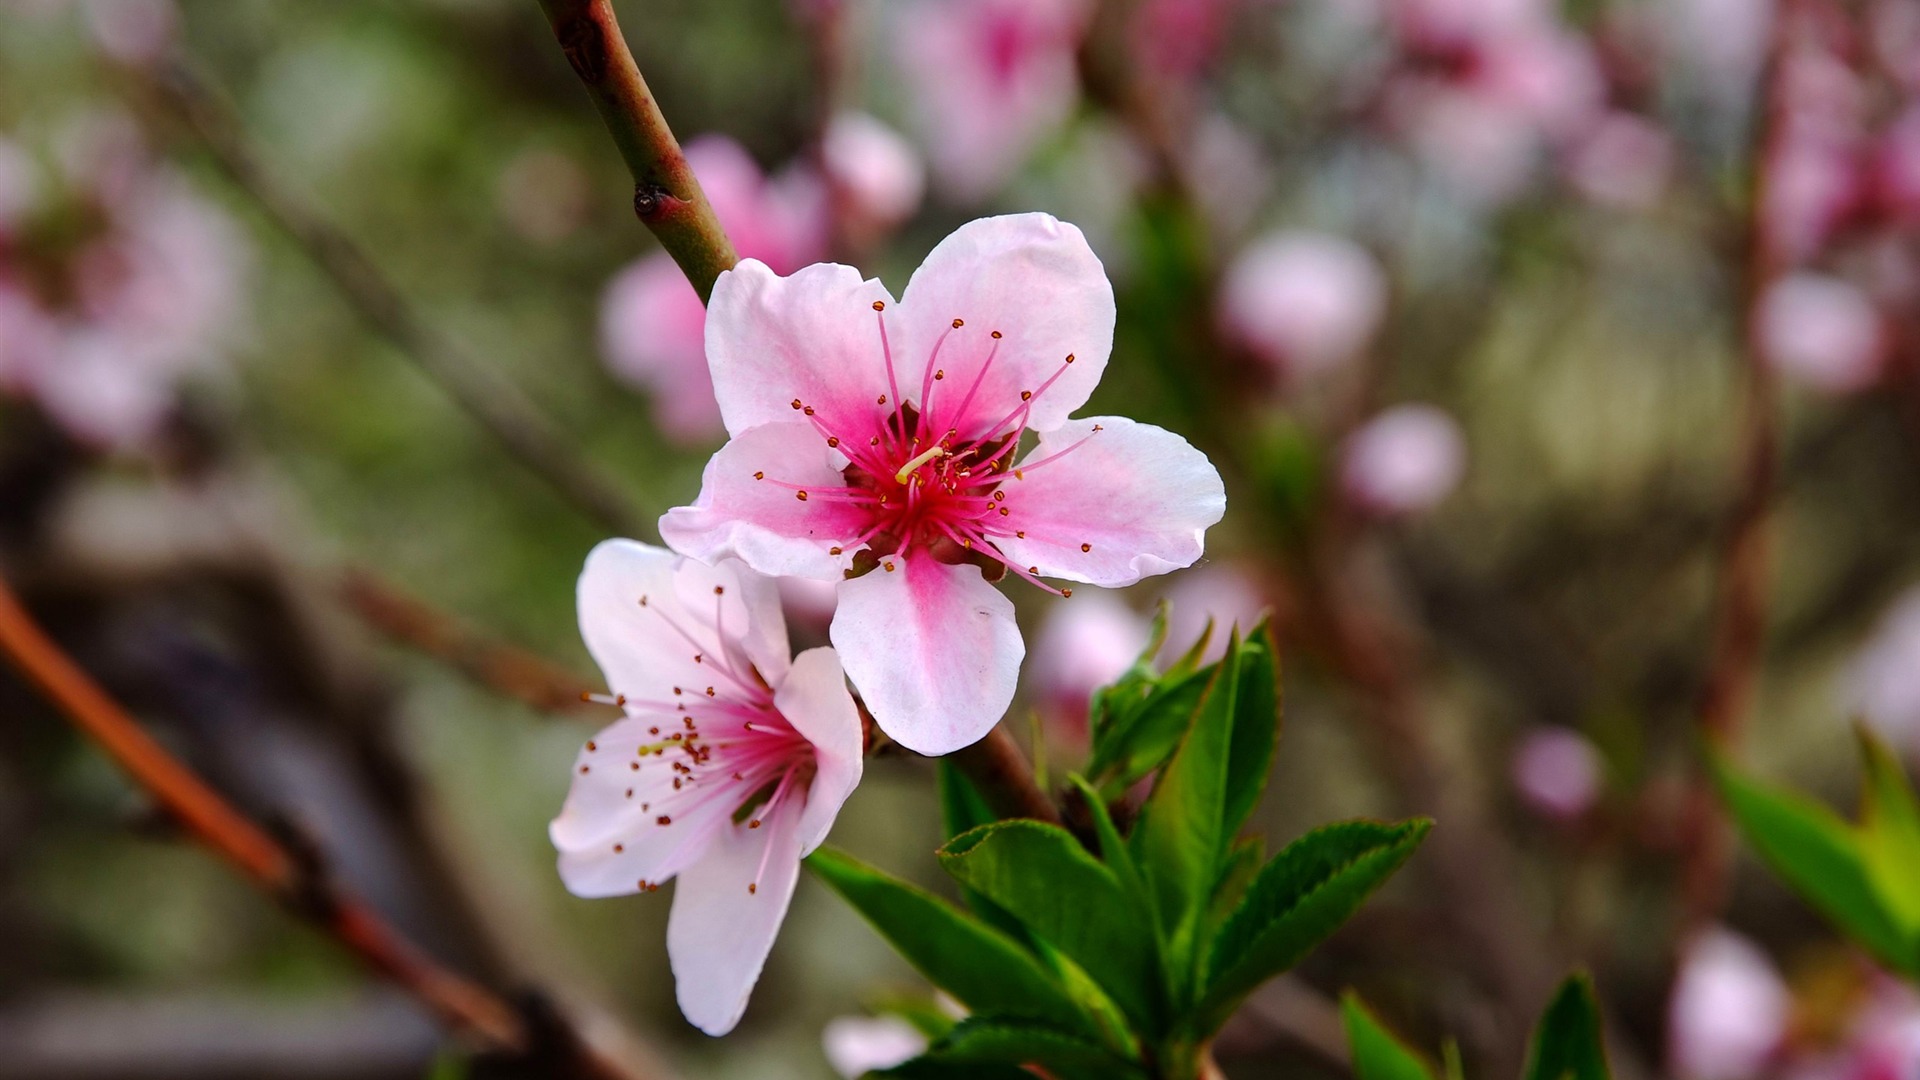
(494,402)
(507,669)
(288,876)
(666,194)
(1740,615)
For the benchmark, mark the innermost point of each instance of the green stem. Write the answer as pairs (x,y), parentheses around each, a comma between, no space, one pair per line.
(666,195)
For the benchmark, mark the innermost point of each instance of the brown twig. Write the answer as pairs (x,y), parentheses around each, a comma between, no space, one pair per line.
(287,875)
(1740,608)
(507,669)
(494,402)
(666,194)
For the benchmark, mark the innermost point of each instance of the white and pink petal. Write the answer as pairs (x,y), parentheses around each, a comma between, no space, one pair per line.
(812,337)
(932,648)
(1107,501)
(1033,279)
(727,909)
(750,506)
(814,699)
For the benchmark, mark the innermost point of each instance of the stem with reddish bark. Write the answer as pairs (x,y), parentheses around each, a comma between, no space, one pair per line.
(290,877)
(666,194)
(1001,774)
(1740,615)
(506,669)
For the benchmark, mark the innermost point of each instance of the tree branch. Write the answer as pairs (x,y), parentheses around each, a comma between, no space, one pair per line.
(666,194)
(493,401)
(1001,773)
(290,876)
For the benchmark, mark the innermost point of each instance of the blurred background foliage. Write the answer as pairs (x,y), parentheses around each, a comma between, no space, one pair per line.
(1590,353)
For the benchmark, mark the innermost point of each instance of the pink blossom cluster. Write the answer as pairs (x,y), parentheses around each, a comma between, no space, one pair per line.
(1839,196)
(1489,93)
(117,280)
(878,448)
(1731,1016)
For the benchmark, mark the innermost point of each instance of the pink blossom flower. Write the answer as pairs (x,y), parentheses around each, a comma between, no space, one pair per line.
(1303,302)
(1404,460)
(1883,683)
(858,1045)
(1082,647)
(652,325)
(1492,85)
(1822,331)
(877,178)
(882,439)
(99,328)
(991,78)
(1180,38)
(1622,162)
(1557,773)
(728,768)
(1728,1011)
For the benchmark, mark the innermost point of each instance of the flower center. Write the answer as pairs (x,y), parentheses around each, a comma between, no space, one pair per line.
(733,757)
(929,477)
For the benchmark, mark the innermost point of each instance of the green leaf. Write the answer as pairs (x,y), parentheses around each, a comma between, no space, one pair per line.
(1236,873)
(1181,839)
(1146,732)
(1818,855)
(1041,875)
(1256,726)
(1377,1053)
(962,807)
(1299,898)
(1890,839)
(996,1040)
(1113,847)
(1569,1043)
(980,966)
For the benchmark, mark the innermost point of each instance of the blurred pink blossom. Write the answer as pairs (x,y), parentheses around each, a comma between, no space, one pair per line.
(1814,174)
(1721,43)
(1303,302)
(858,1045)
(1082,645)
(1180,38)
(991,79)
(1403,461)
(1623,162)
(1882,685)
(1224,593)
(132,31)
(877,178)
(652,324)
(1821,331)
(1557,773)
(1490,86)
(99,328)
(1728,1012)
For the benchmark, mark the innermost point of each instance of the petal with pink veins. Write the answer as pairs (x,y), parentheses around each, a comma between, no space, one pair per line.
(726,911)
(932,648)
(812,337)
(1122,501)
(638,648)
(746,612)
(1033,279)
(750,506)
(815,701)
